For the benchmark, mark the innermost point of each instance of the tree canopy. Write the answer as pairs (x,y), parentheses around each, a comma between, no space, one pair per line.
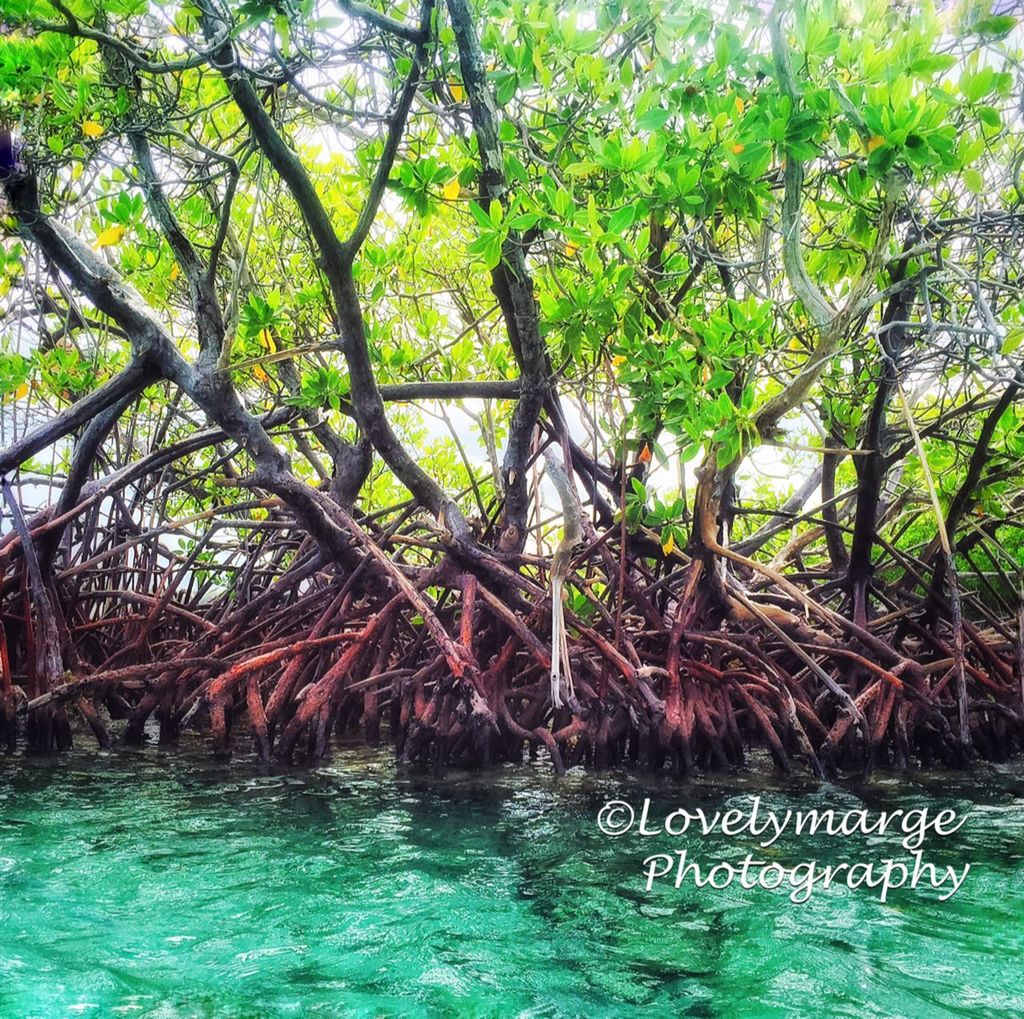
(294,296)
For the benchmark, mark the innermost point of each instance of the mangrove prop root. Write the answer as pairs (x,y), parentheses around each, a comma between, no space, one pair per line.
(451,663)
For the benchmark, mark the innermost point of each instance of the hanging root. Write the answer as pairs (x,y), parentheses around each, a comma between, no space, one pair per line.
(452,665)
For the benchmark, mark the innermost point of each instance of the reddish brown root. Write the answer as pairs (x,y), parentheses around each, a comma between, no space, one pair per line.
(452,667)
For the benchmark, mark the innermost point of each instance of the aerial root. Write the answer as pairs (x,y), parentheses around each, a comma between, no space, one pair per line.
(453,670)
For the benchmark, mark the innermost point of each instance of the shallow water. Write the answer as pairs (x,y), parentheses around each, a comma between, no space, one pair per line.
(165,885)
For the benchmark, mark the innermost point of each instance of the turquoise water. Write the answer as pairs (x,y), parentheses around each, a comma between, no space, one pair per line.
(161,884)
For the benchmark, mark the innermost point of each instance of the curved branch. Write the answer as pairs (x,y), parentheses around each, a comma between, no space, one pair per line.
(336,260)
(511,281)
(75,28)
(121,389)
(793,178)
(385,22)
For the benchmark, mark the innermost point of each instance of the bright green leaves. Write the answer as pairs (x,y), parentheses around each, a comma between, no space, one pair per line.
(995,25)
(880,92)
(11,265)
(14,375)
(119,226)
(932,64)
(492,233)
(46,88)
(65,373)
(60,374)
(984,88)
(636,503)
(619,155)
(535,46)
(695,388)
(975,86)
(261,315)
(974,181)
(1012,341)
(622,219)
(124,209)
(814,27)
(323,387)
(646,509)
(126,8)
(255,12)
(653,120)
(913,130)
(794,131)
(423,183)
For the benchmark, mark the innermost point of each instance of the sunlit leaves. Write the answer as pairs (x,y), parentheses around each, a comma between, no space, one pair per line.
(112,235)
(996,25)
(491,233)
(14,373)
(65,372)
(644,149)
(421,181)
(1012,341)
(324,387)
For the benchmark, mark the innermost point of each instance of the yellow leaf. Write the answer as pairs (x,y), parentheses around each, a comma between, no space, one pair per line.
(738,105)
(874,142)
(21,392)
(258,371)
(457,90)
(737,148)
(451,190)
(91,129)
(571,249)
(668,546)
(110,236)
(618,360)
(267,341)
(175,271)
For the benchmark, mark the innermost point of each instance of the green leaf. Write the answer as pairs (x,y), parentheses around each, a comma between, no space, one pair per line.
(934,63)
(976,86)
(284,31)
(481,217)
(996,24)
(1012,340)
(622,219)
(653,120)
(725,454)
(990,117)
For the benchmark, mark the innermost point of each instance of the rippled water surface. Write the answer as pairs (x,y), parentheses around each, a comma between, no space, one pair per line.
(164,885)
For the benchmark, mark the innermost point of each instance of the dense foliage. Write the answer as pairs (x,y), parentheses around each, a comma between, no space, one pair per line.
(312,285)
